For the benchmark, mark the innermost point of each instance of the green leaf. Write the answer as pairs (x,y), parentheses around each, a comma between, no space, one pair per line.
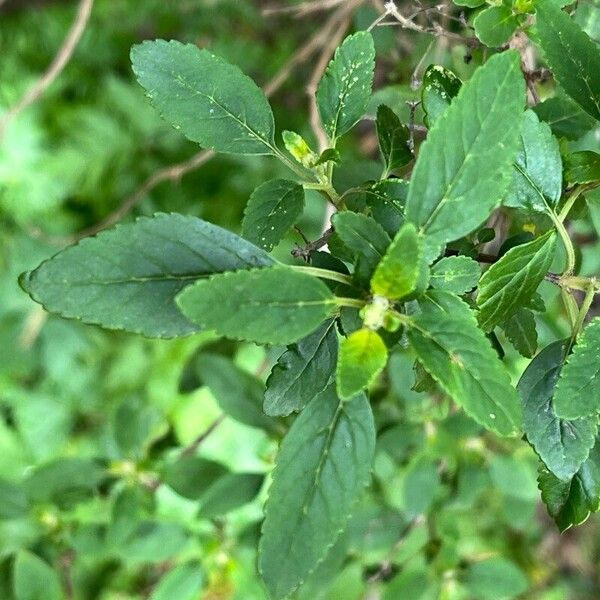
(511,282)
(238,393)
(363,355)
(34,579)
(230,492)
(271,212)
(578,389)
(582,167)
(393,139)
(571,502)
(537,174)
(13,501)
(456,274)
(322,468)
(571,55)
(386,200)
(128,277)
(302,372)
(345,89)
(397,274)
(495,25)
(457,354)
(469,3)
(495,579)
(183,583)
(191,476)
(521,332)
(211,101)
(268,306)
(565,117)
(440,86)
(447,203)
(367,240)
(562,445)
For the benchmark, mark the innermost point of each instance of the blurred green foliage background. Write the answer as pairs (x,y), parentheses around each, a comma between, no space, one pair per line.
(92,422)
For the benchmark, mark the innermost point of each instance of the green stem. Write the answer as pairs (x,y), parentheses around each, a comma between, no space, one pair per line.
(566,240)
(324,274)
(570,202)
(583,311)
(290,164)
(352,302)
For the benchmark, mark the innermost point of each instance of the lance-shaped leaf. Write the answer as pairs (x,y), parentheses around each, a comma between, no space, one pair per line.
(322,468)
(521,332)
(271,212)
(128,277)
(302,372)
(582,167)
(397,274)
(268,306)
(511,282)
(457,354)
(456,274)
(562,445)
(537,174)
(578,389)
(210,100)
(393,140)
(363,355)
(464,166)
(495,25)
(573,57)
(345,89)
(571,502)
(440,86)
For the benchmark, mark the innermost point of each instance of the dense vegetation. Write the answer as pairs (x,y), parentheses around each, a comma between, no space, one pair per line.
(368,356)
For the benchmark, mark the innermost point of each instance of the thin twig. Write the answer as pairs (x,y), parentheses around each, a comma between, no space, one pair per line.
(305,251)
(304,8)
(56,67)
(193,447)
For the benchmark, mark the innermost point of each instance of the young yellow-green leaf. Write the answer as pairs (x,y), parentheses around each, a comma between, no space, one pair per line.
(127,277)
(322,468)
(464,166)
(457,354)
(537,173)
(495,25)
(562,445)
(578,389)
(276,305)
(456,274)
(393,140)
(210,100)
(571,502)
(345,89)
(440,86)
(582,167)
(271,212)
(573,57)
(521,332)
(511,282)
(397,274)
(363,355)
(302,372)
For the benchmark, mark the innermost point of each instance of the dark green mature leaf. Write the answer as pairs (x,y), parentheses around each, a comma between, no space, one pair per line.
(277,305)
(571,502)
(322,468)
(578,389)
(230,492)
(210,100)
(365,237)
(13,501)
(562,445)
(440,86)
(393,140)
(128,277)
(476,140)
(521,332)
(537,175)
(181,583)
(511,282)
(345,89)
(582,167)
(572,56)
(34,579)
(238,393)
(495,25)
(191,476)
(302,372)
(386,200)
(456,353)
(565,117)
(397,274)
(363,355)
(456,274)
(271,212)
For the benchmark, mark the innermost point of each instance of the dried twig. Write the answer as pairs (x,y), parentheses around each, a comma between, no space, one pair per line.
(58,64)
(305,251)
(304,8)
(193,447)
